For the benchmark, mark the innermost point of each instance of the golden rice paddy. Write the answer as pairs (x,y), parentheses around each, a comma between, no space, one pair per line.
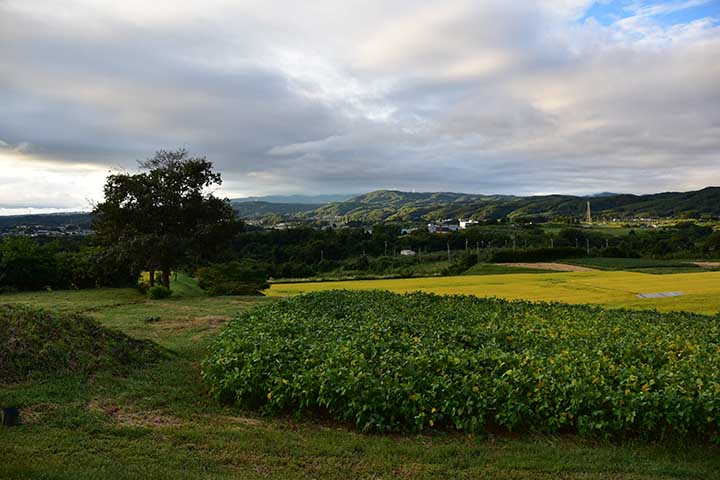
(701,291)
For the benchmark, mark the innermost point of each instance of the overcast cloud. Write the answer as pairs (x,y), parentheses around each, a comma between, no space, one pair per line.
(328,96)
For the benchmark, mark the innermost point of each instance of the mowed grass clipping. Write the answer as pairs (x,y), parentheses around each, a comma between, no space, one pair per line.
(35,342)
(388,362)
(701,291)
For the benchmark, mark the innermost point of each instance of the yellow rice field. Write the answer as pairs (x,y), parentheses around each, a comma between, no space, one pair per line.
(701,291)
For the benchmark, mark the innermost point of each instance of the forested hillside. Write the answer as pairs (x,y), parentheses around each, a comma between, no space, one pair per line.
(389,205)
(396,206)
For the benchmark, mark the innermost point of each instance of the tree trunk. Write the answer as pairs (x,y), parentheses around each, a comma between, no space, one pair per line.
(152,278)
(166,278)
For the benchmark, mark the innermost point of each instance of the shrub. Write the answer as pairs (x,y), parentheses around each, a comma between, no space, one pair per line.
(158,292)
(233,278)
(461,263)
(26,265)
(293,270)
(360,263)
(389,362)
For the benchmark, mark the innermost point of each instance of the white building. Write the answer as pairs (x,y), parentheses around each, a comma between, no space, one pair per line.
(467,223)
(407,253)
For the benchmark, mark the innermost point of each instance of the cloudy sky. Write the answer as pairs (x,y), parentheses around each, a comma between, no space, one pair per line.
(328,96)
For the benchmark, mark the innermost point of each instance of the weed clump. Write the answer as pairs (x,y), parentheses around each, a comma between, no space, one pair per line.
(158,292)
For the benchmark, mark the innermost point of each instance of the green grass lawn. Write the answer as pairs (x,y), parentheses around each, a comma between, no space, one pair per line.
(158,422)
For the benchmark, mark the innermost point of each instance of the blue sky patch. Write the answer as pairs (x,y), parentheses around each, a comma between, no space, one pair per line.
(674,12)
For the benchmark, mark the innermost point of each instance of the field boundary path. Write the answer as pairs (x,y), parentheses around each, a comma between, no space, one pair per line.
(558,267)
(707,264)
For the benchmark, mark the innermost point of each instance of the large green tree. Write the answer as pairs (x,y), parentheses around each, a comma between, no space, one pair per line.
(165,217)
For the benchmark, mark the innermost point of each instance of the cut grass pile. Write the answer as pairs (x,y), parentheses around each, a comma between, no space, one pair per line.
(388,362)
(36,343)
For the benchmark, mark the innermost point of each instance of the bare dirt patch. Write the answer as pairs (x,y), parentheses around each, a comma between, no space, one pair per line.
(228,420)
(707,264)
(125,417)
(201,325)
(213,320)
(558,267)
(37,413)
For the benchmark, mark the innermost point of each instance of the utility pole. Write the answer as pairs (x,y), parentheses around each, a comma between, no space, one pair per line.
(587,245)
(386,248)
(514,243)
(552,242)
(448,249)
(576,242)
(466,244)
(607,243)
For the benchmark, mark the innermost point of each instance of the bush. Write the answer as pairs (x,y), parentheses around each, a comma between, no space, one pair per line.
(158,292)
(293,270)
(357,264)
(233,278)
(389,362)
(27,265)
(462,262)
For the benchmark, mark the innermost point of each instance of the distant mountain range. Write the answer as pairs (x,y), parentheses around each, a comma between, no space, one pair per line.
(392,205)
(304,199)
(397,206)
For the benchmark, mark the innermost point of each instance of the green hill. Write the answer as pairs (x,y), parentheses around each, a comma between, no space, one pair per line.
(260,209)
(391,205)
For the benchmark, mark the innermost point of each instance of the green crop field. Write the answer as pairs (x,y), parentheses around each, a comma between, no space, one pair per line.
(413,362)
(701,291)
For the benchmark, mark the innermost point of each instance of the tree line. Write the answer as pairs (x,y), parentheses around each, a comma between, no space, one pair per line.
(166,218)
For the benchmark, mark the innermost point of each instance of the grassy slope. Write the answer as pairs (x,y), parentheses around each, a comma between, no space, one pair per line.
(157,422)
(614,289)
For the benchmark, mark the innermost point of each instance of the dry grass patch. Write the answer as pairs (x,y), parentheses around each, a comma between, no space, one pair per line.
(124,417)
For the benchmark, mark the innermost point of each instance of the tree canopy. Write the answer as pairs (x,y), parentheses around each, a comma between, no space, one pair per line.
(166,216)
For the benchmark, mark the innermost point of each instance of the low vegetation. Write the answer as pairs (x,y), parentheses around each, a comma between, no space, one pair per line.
(36,343)
(388,362)
(644,265)
(232,278)
(157,421)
